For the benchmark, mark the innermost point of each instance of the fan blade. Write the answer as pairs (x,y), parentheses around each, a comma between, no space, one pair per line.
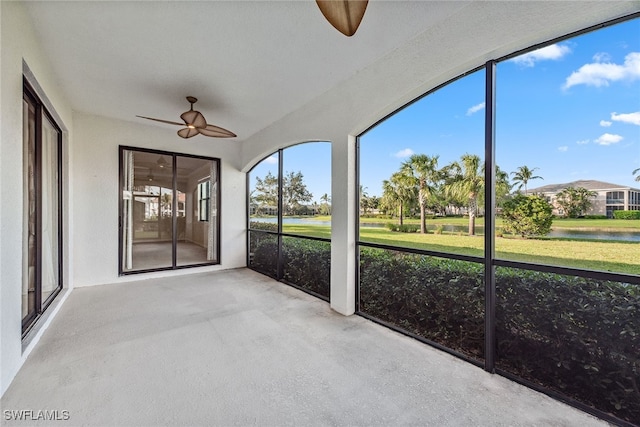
(344,15)
(187,132)
(194,118)
(216,132)
(162,121)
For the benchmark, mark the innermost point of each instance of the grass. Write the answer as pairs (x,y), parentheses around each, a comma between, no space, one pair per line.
(575,223)
(614,256)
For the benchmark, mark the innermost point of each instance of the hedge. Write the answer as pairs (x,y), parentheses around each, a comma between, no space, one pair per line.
(306,263)
(404,228)
(263,253)
(436,298)
(577,336)
(626,214)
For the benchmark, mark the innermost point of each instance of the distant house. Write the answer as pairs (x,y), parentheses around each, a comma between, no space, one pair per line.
(611,197)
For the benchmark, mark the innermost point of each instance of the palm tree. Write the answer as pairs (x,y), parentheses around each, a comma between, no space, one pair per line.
(637,171)
(503,187)
(326,204)
(422,172)
(397,190)
(575,201)
(523,175)
(467,184)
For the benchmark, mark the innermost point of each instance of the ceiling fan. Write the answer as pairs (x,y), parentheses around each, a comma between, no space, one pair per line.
(195,124)
(344,15)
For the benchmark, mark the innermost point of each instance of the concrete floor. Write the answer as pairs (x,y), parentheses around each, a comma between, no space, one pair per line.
(237,348)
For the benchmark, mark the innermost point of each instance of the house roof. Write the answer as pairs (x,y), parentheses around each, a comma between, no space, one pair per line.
(589,184)
(275,72)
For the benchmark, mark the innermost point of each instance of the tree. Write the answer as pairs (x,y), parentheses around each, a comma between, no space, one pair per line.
(421,171)
(369,203)
(523,175)
(266,192)
(637,172)
(503,187)
(466,183)
(575,201)
(294,192)
(527,215)
(397,191)
(325,207)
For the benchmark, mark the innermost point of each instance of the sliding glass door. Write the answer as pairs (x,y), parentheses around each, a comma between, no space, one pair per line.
(42,140)
(168,210)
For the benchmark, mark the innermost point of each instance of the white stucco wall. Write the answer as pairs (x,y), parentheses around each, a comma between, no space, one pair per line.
(17,44)
(95,186)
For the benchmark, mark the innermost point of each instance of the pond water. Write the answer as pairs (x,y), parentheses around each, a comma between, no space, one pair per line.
(625,236)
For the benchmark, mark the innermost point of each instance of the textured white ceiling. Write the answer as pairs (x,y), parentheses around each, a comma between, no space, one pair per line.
(252,64)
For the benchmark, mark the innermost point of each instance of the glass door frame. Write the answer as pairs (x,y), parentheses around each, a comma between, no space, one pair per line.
(30,96)
(174,209)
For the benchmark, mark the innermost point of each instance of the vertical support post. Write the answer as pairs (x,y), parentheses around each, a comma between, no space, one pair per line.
(489,218)
(343,221)
(174,211)
(280,266)
(357,227)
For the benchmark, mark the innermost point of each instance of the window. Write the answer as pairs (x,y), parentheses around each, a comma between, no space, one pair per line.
(203,200)
(289,210)
(421,223)
(615,197)
(42,274)
(554,308)
(168,210)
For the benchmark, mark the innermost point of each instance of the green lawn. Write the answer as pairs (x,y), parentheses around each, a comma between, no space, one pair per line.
(580,223)
(619,257)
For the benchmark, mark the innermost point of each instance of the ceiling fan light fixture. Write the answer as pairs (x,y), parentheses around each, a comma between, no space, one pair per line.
(344,15)
(195,124)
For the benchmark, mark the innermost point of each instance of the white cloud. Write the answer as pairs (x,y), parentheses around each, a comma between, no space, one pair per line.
(582,142)
(273,160)
(475,109)
(632,118)
(608,139)
(563,148)
(602,57)
(404,153)
(553,52)
(602,73)
(605,124)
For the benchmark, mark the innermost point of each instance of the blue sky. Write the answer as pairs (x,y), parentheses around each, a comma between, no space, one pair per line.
(571,109)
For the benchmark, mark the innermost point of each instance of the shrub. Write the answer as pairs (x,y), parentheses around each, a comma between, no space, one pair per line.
(439,228)
(626,214)
(260,225)
(404,228)
(265,253)
(438,299)
(255,237)
(527,215)
(306,263)
(596,217)
(577,336)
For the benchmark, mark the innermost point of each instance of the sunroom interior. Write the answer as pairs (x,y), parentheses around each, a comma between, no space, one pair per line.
(277,74)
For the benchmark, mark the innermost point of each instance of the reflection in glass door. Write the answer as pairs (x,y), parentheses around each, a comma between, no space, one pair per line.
(198,222)
(168,211)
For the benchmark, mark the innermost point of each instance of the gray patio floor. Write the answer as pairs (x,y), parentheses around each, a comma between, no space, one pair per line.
(237,348)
